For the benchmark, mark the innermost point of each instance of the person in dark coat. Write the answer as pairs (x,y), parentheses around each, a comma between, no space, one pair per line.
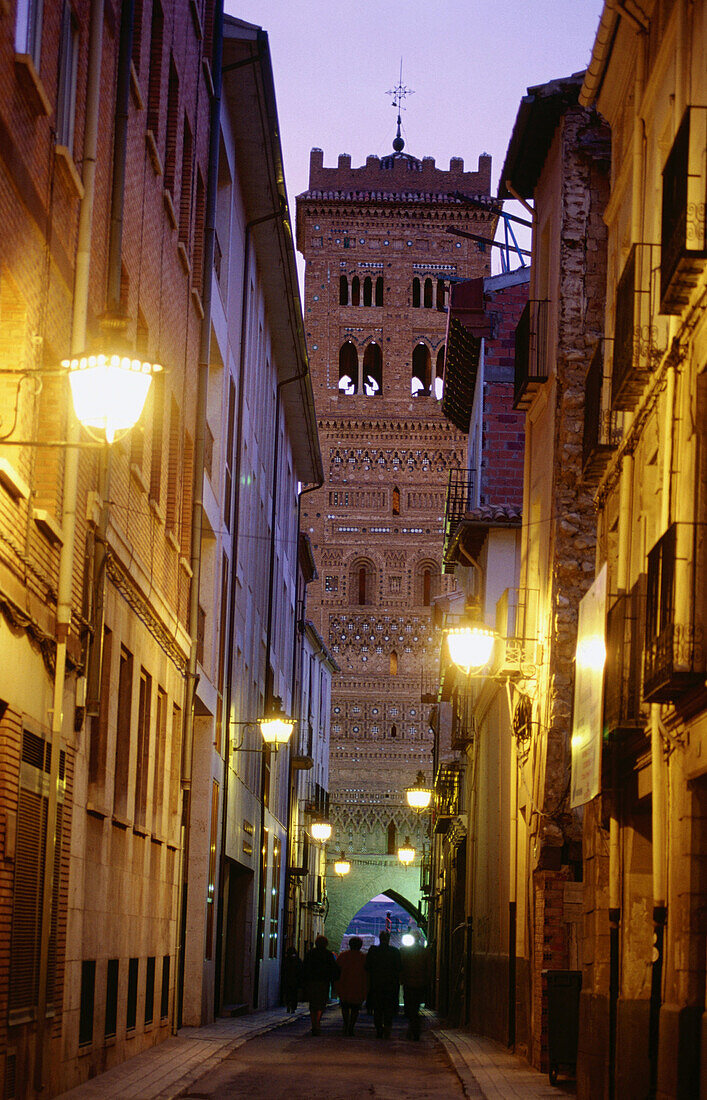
(383,966)
(320,970)
(415,976)
(353,983)
(291,978)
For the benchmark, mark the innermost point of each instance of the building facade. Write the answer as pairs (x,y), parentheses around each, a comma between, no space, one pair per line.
(379,262)
(644,1025)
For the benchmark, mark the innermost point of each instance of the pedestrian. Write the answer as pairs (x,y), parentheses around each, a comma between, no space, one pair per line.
(383,966)
(320,970)
(415,976)
(353,983)
(291,978)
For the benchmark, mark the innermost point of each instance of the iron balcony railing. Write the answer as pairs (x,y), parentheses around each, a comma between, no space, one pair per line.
(531,353)
(602,425)
(683,238)
(447,796)
(461,498)
(640,333)
(625,630)
(676,606)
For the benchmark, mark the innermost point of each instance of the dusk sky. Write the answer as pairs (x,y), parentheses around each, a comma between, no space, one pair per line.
(469,63)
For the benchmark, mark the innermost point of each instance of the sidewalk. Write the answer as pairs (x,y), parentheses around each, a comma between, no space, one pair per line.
(164,1071)
(488,1070)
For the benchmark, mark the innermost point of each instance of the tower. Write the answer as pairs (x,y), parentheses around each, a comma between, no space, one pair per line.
(382,243)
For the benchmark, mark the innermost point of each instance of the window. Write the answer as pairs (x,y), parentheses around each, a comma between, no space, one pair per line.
(185,197)
(372,370)
(428,294)
(164,998)
(112,971)
(198,243)
(355,291)
(150,989)
(66,98)
(158,399)
(122,738)
(88,986)
(394,729)
(170,148)
(379,290)
(175,770)
(228,455)
(441,293)
(393,672)
(154,82)
(367,291)
(160,748)
(131,1007)
(416,293)
(142,761)
(392,849)
(362,580)
(348,368)
(174,468)
(137,33)
(99,722)
(28,29)
(439,374)
(396,501)
(343,290)
(420,383)
(426,587)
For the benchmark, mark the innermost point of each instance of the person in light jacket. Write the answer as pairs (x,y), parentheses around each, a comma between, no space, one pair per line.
(352,986)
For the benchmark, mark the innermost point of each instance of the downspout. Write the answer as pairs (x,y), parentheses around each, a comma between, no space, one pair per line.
(68,520)
(197,510)
(259,946)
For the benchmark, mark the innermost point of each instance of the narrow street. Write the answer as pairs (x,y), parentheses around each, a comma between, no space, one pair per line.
(290,1062)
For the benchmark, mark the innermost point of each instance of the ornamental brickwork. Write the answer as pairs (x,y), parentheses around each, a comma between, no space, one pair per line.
(382,246)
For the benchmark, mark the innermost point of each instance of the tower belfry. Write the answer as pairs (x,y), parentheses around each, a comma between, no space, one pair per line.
(379,263)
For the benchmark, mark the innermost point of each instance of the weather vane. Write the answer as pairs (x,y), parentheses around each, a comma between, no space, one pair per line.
(399,93)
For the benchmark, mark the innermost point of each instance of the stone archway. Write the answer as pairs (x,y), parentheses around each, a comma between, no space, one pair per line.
(368,877)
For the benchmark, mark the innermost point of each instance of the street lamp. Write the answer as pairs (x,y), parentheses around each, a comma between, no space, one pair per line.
(470,647)
(320,831)
(276,728)
(109,391)
(406,852)
(342,866)
(420,795)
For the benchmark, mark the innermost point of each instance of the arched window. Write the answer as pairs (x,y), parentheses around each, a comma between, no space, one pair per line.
(379,290)
(355,291)
(343,290)
(416,292)
(393,670)
(439,374)
(393,731)
(420,384)
(428,294)
(367,291)
(441,293)
(372,370)
(427,587)
(362,582)
(396,501)
(348,368)
(426,575)
(391,839)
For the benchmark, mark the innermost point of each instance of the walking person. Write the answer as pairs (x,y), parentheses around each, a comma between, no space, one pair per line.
(415,976)
(352,986)
(320,970)
(291,979)
(383,966)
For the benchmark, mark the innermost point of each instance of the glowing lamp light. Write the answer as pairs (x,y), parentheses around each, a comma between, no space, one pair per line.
(276,729)
(419,796)
(109,391)
(320,830)
(407,939)
(591,652)
(470,647)
(342,866)
(406,852)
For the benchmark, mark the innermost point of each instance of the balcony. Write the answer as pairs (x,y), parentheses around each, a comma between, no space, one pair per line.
(640,334)
(674,658)
(683,241)
(447,796)
(625,629)
(518,652)
(461,498)
(531,357)
(603,427)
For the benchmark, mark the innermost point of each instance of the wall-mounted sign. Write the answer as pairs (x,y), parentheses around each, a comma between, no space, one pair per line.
(588,693)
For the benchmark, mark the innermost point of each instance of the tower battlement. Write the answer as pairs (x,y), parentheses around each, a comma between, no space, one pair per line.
(398,172)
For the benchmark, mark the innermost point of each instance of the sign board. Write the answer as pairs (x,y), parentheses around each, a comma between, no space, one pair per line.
(587,721)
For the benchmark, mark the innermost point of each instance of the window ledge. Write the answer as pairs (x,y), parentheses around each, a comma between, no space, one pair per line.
(186,567)
(48,526)
(173,540)
(30,80)
(169,207)
(12,482)
(184,257)
(135,88)
(156,510)
(153,152)
(157,838)
(206,65)
(94,810)
(119,822)
(138,476)
(68,168)
(196,18)
(198,304)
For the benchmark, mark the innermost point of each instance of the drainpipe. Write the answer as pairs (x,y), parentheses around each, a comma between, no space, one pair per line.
(68,522)
(197,510)
(512,895)
(259,948)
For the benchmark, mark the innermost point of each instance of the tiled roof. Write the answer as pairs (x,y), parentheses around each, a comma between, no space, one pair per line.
(494,513)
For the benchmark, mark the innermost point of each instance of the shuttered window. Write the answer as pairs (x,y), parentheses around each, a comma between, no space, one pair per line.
(143,749)
(154,84)
(173,469)
(112,972)
(185,197)
(170,149)
(131,1007)
(88,989)
(150,989)
(122,734)
(164,999)
(28,891)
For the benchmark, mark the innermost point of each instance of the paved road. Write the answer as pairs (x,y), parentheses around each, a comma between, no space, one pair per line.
(291,1063)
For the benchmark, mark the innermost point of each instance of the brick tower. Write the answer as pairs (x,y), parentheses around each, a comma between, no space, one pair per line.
(381,251)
